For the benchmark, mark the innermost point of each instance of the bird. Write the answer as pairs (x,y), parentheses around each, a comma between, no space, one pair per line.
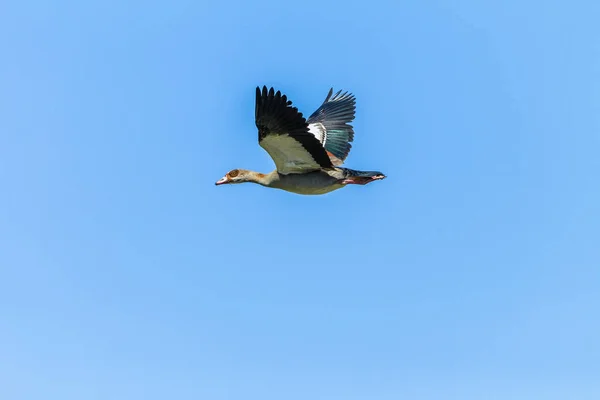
(308,153)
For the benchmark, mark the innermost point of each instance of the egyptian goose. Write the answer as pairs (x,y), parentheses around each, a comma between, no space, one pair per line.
(307,153)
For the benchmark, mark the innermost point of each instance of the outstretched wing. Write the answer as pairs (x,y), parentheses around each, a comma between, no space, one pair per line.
(283,133)
(330,124)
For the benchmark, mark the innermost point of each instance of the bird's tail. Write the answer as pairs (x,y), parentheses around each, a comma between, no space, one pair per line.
(361,177)
(363,174)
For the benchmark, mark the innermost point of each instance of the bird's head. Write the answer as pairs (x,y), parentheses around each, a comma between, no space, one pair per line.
(236,176)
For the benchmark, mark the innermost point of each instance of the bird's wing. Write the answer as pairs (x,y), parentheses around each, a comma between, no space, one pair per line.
(330,124)
(283,133)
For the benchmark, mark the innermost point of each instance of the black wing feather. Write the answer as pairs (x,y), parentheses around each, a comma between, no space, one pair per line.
(274,115)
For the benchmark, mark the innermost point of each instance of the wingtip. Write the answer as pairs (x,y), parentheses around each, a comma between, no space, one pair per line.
(266,92)
(329,95)
(339,95)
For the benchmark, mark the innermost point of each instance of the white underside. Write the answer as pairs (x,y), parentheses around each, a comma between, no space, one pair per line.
(288,154)
(319,131)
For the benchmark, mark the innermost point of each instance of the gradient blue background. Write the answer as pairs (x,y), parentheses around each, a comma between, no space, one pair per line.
(472,272)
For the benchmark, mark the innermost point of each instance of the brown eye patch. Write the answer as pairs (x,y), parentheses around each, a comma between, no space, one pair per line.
(234,173)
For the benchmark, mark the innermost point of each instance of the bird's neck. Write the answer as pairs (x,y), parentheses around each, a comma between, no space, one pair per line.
(264,179)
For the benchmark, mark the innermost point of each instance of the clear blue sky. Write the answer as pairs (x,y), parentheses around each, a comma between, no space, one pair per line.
(472,272)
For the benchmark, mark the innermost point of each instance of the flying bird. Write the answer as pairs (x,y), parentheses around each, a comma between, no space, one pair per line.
(308,154)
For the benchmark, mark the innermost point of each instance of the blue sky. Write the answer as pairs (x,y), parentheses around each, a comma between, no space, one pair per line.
(472,272)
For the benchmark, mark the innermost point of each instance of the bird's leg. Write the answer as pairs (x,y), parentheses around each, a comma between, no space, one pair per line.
(361,180)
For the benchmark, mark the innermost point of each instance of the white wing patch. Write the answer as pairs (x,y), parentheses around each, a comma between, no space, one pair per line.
(318,131)
(288,154)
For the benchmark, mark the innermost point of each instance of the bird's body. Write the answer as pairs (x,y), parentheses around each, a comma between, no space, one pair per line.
(307,154)
(309,183)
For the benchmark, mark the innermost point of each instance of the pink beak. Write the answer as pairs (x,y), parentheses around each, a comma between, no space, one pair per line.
(222,181)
